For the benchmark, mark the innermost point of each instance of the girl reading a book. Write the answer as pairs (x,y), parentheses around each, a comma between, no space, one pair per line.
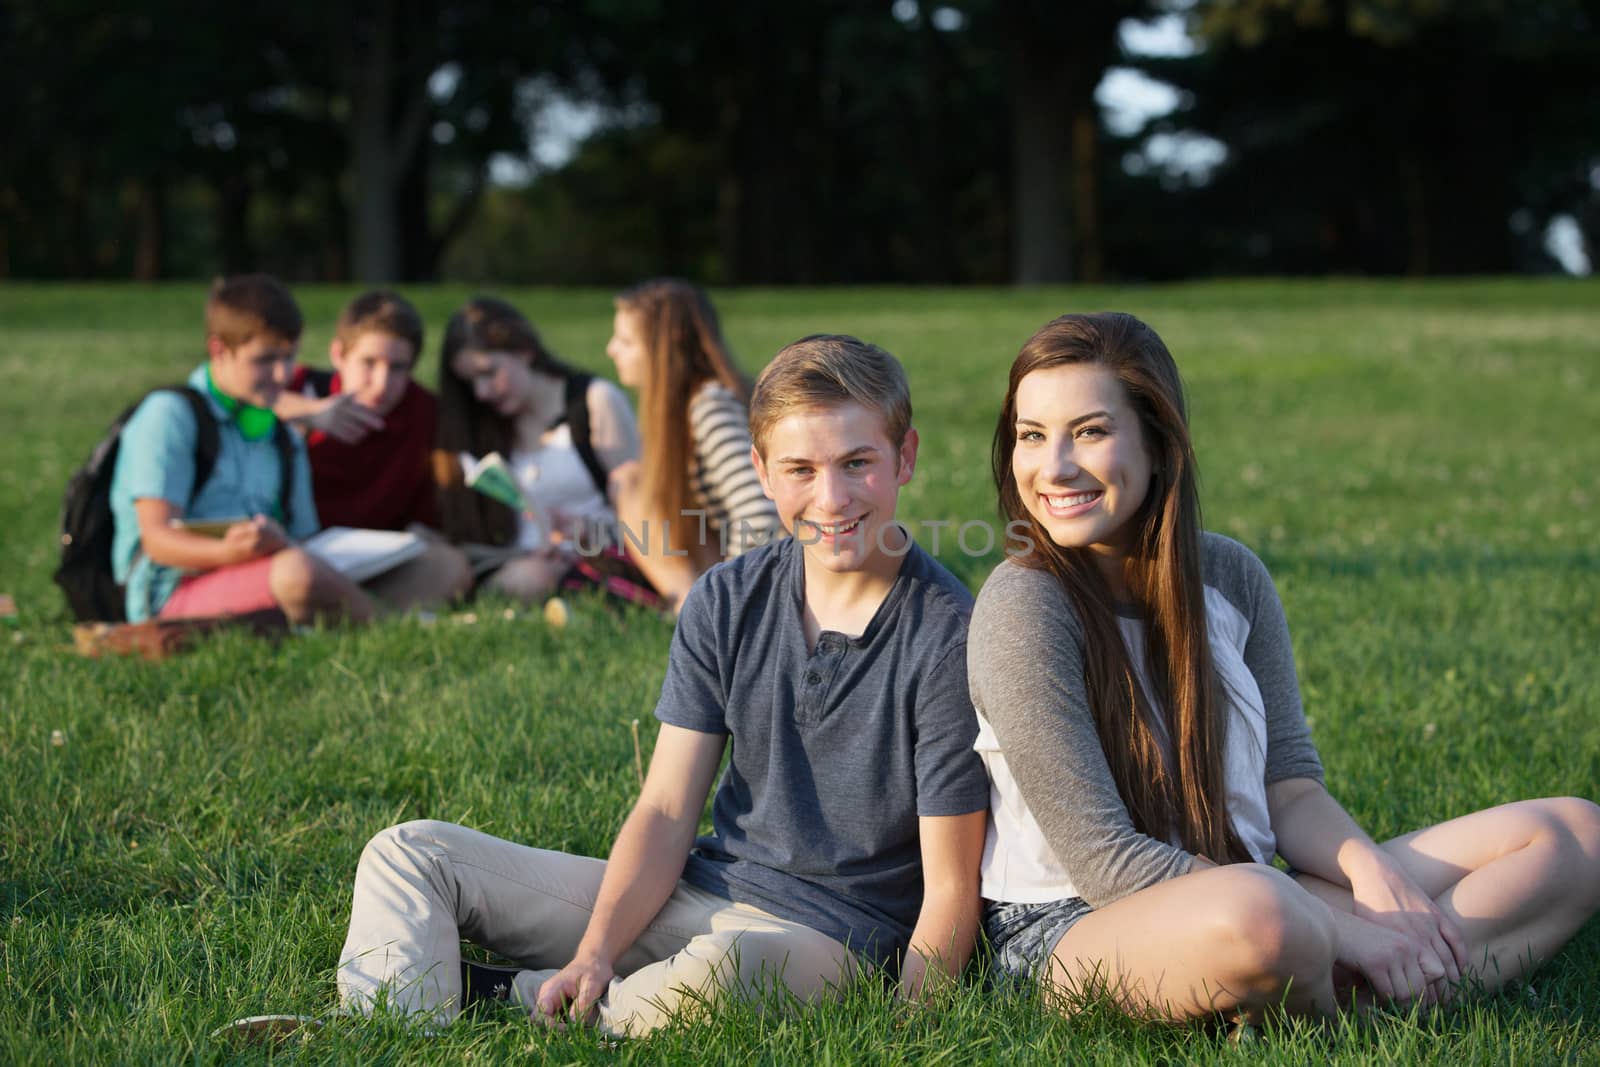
(693,499)
(562,433)
(1142,727)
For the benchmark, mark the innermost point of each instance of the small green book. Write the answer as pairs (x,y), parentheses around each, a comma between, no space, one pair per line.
(492,477)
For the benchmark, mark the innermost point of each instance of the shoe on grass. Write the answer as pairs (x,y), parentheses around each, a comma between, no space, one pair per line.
(486,983)
(260,1029)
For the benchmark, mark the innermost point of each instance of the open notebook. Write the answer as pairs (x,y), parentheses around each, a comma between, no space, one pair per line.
(363,554)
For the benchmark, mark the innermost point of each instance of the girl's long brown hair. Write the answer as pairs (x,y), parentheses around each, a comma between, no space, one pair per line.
(684,350)
(1184,795)
(485,324)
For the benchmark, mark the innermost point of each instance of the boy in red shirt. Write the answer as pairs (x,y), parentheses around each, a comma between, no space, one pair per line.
(370,440)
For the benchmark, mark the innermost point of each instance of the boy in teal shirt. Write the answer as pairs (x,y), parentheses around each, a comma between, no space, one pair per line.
(252,332)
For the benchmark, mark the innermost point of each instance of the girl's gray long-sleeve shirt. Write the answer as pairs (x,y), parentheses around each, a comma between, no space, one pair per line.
(1026,670)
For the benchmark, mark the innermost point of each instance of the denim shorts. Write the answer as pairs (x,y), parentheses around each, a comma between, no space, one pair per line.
(1022,936)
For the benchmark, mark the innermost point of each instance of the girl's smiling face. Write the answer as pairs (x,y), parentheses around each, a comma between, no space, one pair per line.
(1081,463)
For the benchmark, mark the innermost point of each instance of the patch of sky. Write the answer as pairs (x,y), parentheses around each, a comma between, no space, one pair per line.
(942,17)
(1563,239)
(557,125)
(442,82)
(1165,35)
(1131,100)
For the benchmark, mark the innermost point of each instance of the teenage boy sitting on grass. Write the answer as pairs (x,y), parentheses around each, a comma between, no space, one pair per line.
(371,429)
(252,331)
(848,827)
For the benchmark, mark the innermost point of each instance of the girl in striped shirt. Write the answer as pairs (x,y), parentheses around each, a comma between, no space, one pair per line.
(693,498)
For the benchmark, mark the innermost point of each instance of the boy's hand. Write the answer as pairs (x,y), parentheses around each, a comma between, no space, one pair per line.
(573,991)
(246,541)
(341,418)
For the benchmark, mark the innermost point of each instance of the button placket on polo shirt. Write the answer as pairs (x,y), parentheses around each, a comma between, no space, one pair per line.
(816,682)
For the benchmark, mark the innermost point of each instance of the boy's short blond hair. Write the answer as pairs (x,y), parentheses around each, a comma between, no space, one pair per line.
(243,306)
(827,369)
(380,311)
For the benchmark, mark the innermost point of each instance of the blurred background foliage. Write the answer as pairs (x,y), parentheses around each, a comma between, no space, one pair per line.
(563,141)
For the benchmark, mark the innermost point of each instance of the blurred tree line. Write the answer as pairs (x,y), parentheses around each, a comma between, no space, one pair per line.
(817,142)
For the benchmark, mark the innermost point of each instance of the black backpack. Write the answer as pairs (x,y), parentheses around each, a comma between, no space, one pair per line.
(577,397)
(88,529)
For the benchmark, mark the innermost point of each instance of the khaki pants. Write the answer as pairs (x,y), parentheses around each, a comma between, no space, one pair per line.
(423,886)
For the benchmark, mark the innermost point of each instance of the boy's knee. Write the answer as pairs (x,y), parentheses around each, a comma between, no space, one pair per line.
(802,962)
(404,842)
(453,568)
(414,831)
(293,577)
(304,587)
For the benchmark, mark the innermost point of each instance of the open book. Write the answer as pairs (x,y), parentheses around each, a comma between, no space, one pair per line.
(492,477)
(363,554)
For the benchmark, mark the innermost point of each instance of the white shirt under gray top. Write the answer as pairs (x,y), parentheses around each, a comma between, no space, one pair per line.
(1058,827)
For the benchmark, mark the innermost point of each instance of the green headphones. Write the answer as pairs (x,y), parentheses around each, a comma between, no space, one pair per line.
(254,423)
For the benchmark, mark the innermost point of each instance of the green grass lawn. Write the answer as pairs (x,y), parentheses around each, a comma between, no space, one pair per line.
(1416,463)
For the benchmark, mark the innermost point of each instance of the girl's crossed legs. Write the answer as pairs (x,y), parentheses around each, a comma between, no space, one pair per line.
(1518,880)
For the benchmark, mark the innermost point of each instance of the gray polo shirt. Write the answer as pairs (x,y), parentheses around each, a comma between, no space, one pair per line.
(836,752)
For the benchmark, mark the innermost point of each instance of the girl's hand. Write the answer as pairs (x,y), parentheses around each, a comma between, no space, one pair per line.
(1385,959)
(1388,897)
(570,528)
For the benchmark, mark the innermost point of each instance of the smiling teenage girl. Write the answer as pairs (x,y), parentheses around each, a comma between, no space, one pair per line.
(1141,724)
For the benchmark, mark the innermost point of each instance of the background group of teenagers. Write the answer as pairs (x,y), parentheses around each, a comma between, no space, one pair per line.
(373,449)
(1084,775)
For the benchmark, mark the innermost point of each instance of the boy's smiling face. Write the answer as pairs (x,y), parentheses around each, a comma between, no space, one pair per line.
(375,368)
(255,372)
(835,477)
